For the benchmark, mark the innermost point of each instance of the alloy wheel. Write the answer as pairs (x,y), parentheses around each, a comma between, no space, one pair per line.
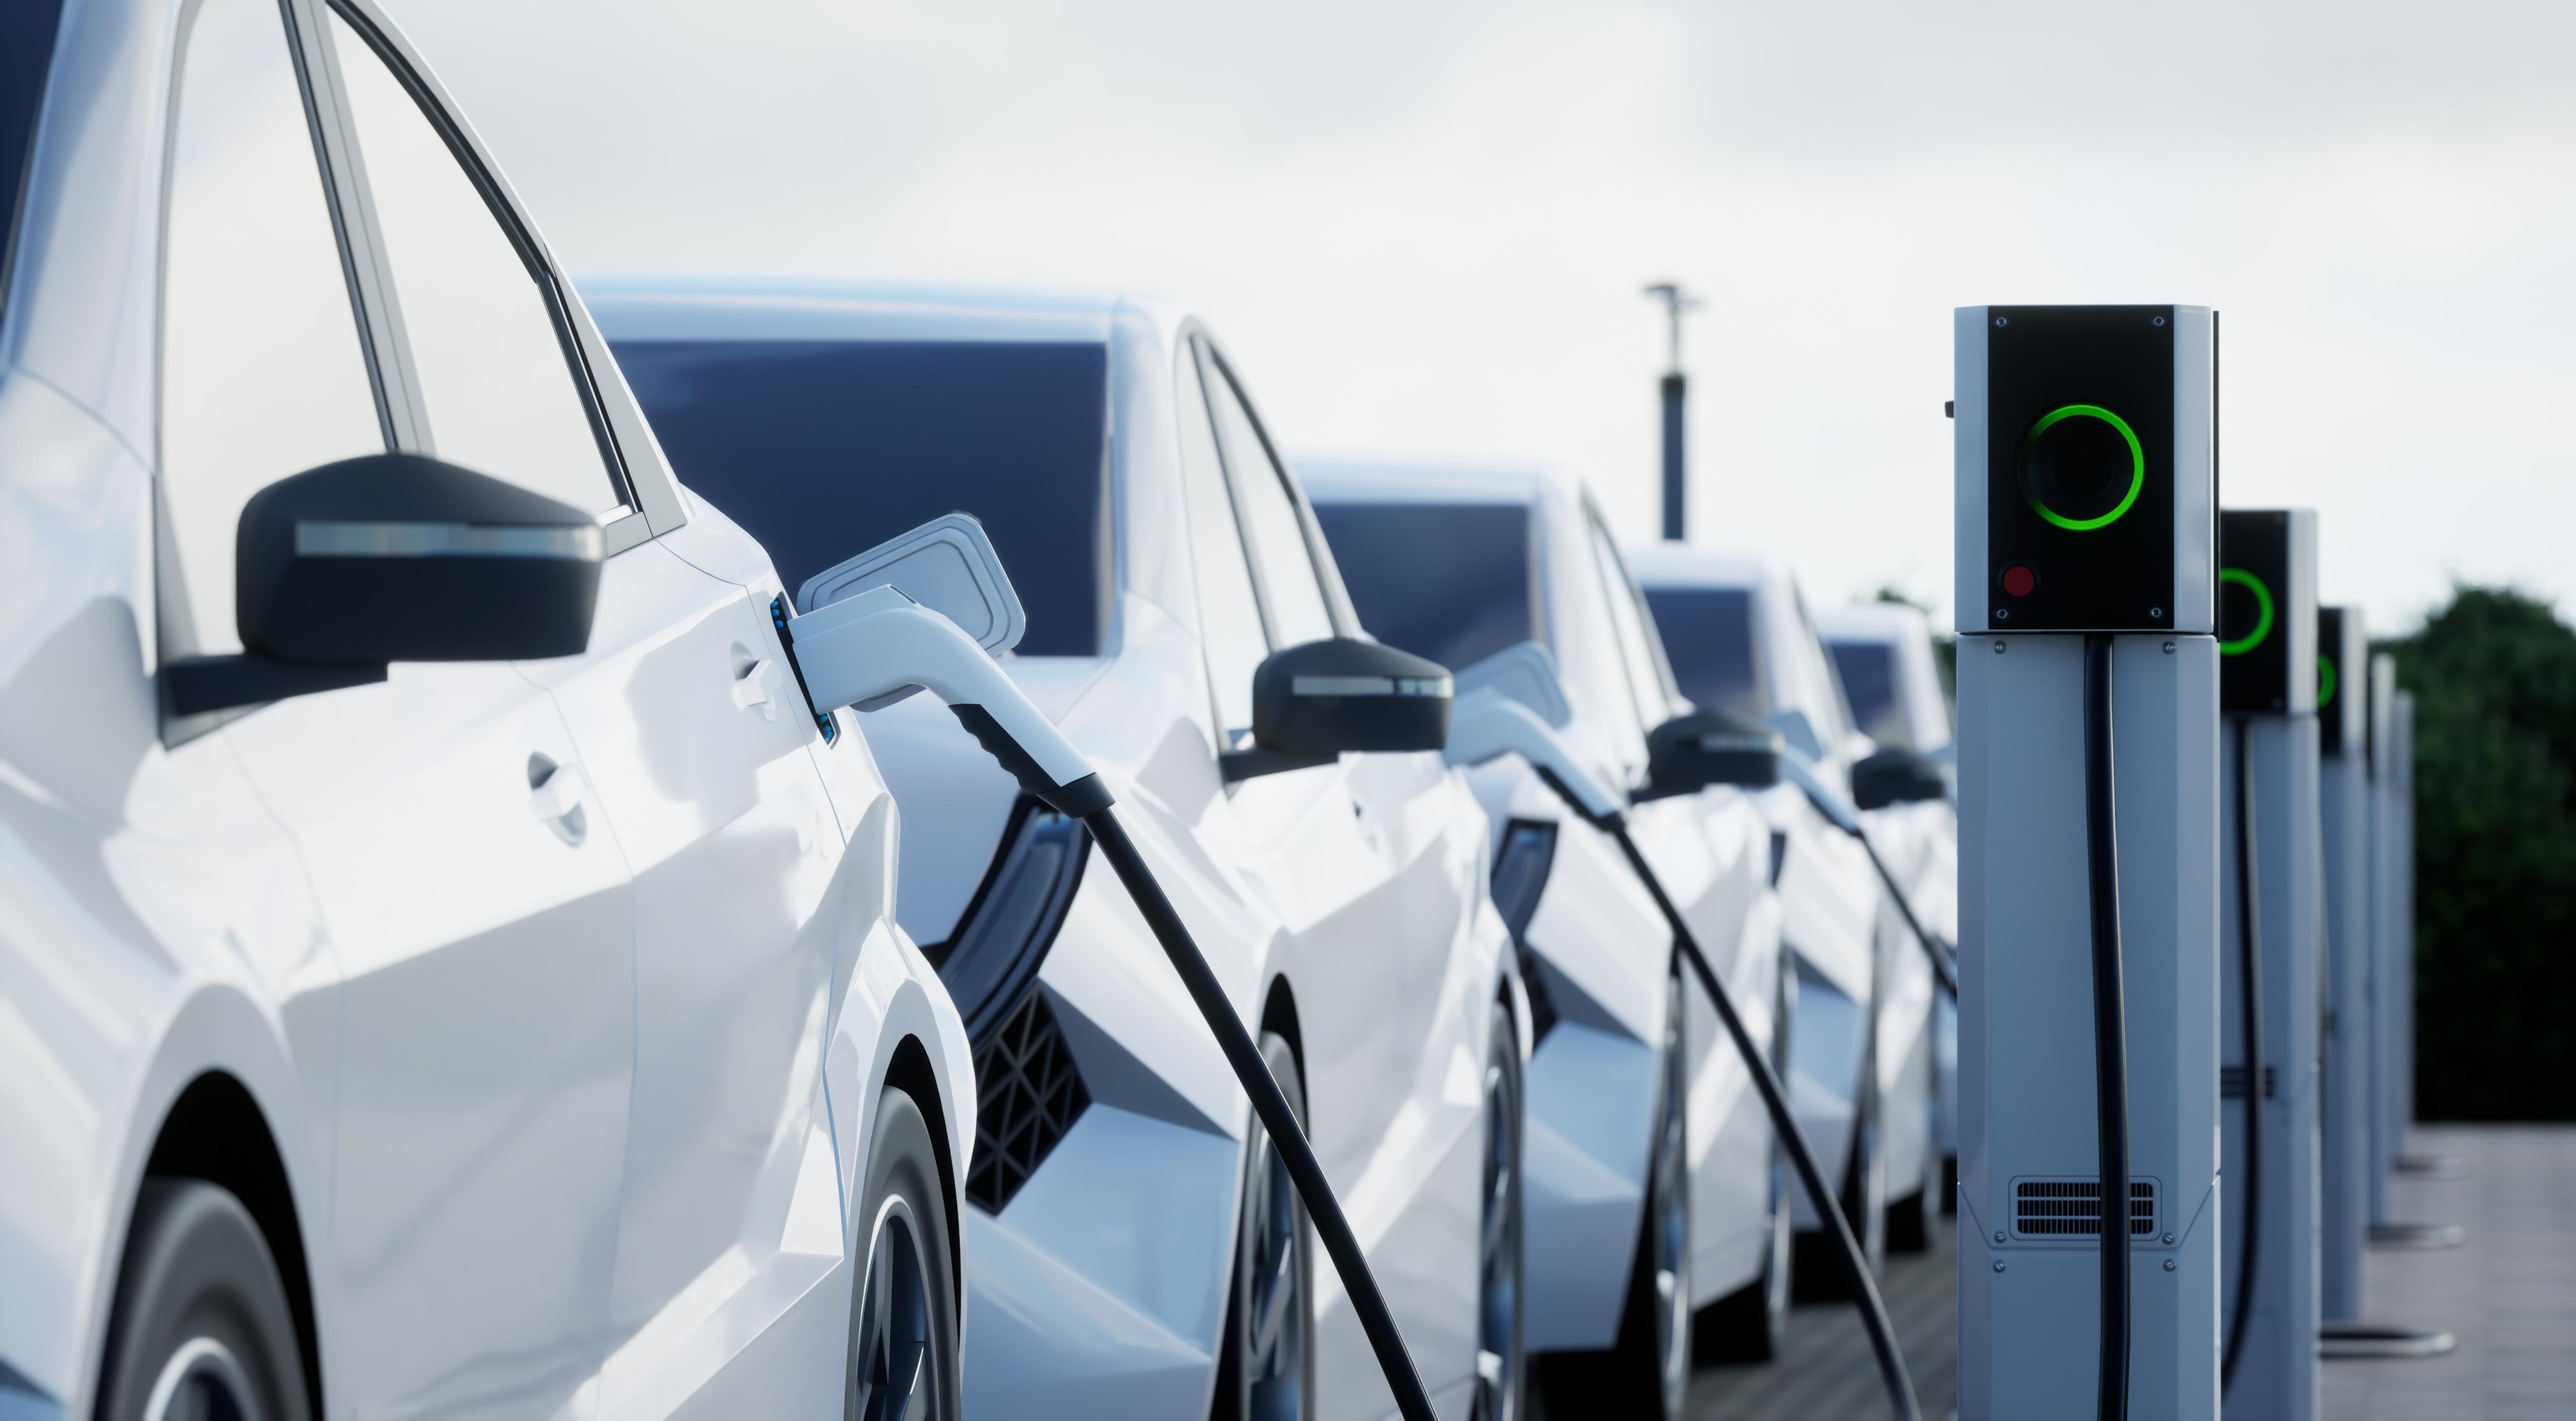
(1499,1358)
(897,1380)
(202,1381)
(1275,1342)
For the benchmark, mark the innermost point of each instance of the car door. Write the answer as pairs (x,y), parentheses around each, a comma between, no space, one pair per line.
(1354,857)
(480,913)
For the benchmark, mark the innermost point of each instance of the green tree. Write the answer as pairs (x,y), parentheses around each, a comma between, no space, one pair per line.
(2494,678)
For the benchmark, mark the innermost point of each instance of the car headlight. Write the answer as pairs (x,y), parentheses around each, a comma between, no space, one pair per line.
(1519,877)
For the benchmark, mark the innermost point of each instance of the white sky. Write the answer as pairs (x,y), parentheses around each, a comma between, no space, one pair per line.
(1424,228)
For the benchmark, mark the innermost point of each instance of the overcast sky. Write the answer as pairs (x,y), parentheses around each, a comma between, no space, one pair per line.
(1425,228)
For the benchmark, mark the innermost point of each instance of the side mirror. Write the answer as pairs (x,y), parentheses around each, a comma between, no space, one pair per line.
(1689,753)
(393,557)
(1897,777)
(1312,702)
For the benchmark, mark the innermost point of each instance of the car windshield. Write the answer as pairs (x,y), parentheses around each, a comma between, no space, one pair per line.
(1868,669)
(823,449)
(1447,581)
(1708,638)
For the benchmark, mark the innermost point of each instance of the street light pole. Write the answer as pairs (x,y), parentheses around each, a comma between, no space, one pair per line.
(1677,303)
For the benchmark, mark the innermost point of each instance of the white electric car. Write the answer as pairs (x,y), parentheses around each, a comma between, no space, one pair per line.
(1740,640)
(1133,1248)
(1654,1183)
(444,967)
(1884,656)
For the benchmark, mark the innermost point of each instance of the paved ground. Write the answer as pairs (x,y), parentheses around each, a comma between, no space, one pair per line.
(2509,1294)
(1828,1373)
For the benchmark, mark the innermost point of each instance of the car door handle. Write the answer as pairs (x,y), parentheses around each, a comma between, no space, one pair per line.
(558,795)
(751,690)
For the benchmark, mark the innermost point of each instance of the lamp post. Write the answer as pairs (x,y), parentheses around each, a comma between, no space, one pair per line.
(1677,303)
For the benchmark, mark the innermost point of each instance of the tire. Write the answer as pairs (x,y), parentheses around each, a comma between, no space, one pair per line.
(1502,1362)
(904,1361)
(1645,1371)
(1863,1196)
(1751,1324)
(1909,1220)
(202,1327)
(1266,1355)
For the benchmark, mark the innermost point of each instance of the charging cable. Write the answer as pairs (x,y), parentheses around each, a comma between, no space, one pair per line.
(879,643)
(2249,952)
(1486,724)
(2110,1026)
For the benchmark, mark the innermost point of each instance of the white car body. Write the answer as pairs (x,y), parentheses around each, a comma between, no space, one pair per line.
(547,1103)
(1344,902)
(1883,654)
(1598,949)
(1857,962)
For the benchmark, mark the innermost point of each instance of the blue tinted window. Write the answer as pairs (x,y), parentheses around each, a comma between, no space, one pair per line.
(1868,670)
(1708,637)
(1446,581)
(824,449)
(26,52)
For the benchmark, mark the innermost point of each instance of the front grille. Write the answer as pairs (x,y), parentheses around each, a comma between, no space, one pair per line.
(1028,1093)
(2072,1208)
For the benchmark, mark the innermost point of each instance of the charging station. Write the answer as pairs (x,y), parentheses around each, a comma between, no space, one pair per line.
(2343,813)
(2271,1006)
(2087,474)
(2384,959)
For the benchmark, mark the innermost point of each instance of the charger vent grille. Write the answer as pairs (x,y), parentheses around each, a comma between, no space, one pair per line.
(2072,1208)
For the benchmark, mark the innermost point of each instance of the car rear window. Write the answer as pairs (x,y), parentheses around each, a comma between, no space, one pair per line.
(824,449)
(1708,638)
(1446,581)
(1868,669)
(26,53)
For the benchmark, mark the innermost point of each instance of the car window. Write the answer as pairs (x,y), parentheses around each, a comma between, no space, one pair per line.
(1636,656)
(1446,581)
(1708,633)
(1868,671)
(262,374)
(821,450)
(493,367)
(1229,616)
(26,52)
(1284,564)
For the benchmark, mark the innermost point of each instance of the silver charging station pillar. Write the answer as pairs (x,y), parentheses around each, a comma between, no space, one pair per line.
(2343,811)
(2267,619)
(2086,448)
(2401,946)
(2384,866)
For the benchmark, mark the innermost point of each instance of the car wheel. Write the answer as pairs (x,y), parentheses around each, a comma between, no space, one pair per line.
(202,1330)
(1266,1370)
(904,1333)
(1646,1370)
(1502,1366)
(1751,1324)
(1863,1197)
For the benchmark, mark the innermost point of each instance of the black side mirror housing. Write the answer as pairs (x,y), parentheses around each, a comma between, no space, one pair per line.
(340,570)
(1311,703)
(1689,753)
(1896,777)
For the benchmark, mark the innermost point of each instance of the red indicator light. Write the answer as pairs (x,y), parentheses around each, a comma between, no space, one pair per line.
(2019,580)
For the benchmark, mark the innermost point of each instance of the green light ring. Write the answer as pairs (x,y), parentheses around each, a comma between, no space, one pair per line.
(2262,611)
(2325,682)
(2137,467)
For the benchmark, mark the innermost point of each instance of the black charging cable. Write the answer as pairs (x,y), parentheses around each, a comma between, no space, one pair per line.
(1945,963)
(1308,1175)
(2110,1026)
(2249,953)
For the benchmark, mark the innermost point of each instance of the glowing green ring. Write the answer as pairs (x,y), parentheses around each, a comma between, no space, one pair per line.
(2262,611)
(2137,467)
(2325,683)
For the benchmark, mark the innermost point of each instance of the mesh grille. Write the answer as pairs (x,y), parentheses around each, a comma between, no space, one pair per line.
(2072,1208)
(1028,1093)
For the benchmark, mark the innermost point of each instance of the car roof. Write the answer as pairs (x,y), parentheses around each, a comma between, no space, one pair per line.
(1889,623)
(709,306)
(1697,565)
(1368,478)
